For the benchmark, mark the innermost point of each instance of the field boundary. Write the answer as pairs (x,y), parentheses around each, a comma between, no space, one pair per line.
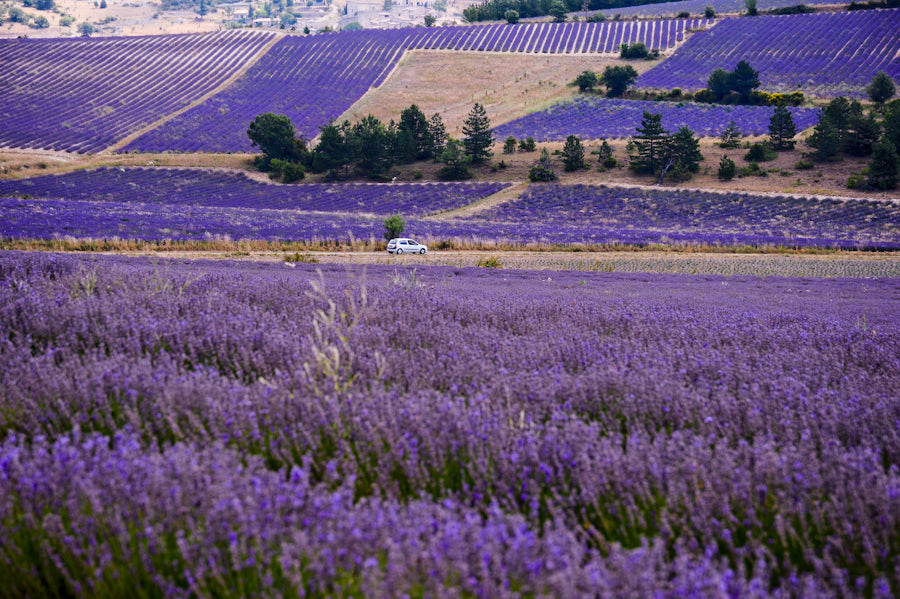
(220,88)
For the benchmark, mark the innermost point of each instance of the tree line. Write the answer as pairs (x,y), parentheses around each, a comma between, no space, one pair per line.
(369,147)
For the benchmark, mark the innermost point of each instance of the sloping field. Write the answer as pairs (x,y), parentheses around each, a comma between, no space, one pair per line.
(81,95)
(826,54)
(183,204)
(595,118)
(205,188)
(85,95)
(316,79)
(697,7)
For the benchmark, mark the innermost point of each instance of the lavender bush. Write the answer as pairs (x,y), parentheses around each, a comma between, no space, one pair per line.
(191,204)
(829,54)
(83,95)
(200,188)
(211,428)
(596,118)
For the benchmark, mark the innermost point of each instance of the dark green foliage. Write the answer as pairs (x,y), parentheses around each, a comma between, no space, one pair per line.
(882,88)
(863,133)
(40,22)
(393,227)
(273,134)
(573,154)
(368,144)
(891,123)
(636,50)
(331,152)
(884,170)
(759,153)
(606,157)
(731,136)
(438,134)
(84,29)
(825,140)
(782,129)
(290,172)
(479,136)
(597,17)
(727,169)
(17,15)
(430,20)
(683,150)
(797,9)
(744,79)
(649,144)
(509,146)
(617,79)
(751,8)
(558,10)
(543,170)
(413,135)
(457,162)
(683,15)
(709,12)
(527,145)
(719,83)
(511,16)
(586,80)
(804,165)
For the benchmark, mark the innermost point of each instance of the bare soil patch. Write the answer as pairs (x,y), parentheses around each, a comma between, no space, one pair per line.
(508,85)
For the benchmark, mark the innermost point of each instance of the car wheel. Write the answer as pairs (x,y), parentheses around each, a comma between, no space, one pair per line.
(399,251)
(422,251)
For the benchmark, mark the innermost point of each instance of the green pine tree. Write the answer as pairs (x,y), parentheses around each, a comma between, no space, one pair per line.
(479,136)
(884,170)
(648,144)
(782,129)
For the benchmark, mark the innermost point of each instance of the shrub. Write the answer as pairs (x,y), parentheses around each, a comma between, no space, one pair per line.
(727,169)
(597,17)
(882,88)
(709,12)
(586,81)
(759,153)
(509,146)
(803,165)
(752,170)
(511,16)
(527,145)
(489,262)
(543,170)
(393,227)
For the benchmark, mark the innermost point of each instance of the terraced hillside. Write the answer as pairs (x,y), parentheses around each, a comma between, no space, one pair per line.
(76,95)
(828,54)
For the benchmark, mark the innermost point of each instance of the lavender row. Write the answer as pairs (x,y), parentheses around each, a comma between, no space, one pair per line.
(828,54)
(84,95)
(597,118)
(686,212)
(222,189)
(697,7)
(724,436)
(314,80)
(50,219)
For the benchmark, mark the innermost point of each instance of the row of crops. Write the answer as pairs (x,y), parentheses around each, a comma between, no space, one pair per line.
(224,189)
(183,204)
(698,7)
(210,428)
(592,117)
(77,95)
(829,54)
(83,95)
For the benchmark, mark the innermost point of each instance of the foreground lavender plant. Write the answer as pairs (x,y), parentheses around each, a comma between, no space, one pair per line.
(214,428)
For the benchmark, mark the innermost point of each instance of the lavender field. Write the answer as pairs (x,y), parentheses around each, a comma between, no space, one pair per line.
(83,95)
(827,54)
(315,79)
(599,118)
(697,7)
(212,428)
(204,188)
(196,205)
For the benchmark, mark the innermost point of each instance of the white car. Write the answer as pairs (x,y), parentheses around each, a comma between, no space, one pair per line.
(403,245)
